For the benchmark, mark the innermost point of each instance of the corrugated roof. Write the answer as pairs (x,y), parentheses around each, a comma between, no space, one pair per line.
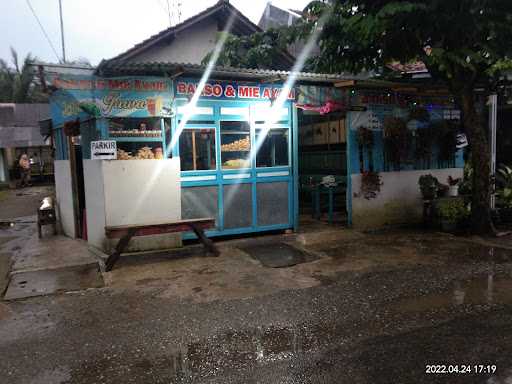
(23,114)
(19,124)
(176,69)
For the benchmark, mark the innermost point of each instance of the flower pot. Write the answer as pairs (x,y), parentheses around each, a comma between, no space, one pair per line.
(453,191)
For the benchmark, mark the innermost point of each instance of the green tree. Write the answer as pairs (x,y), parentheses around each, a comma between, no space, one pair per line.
(464,43)
(17,82)
(260,50)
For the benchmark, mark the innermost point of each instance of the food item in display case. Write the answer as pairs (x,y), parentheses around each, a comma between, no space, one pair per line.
(159,153)
(237,163)
(238,145)
(144,153)
(123,155)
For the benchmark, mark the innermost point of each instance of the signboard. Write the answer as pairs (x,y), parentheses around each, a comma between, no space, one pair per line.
(103,150)
(232,90)
(86,97)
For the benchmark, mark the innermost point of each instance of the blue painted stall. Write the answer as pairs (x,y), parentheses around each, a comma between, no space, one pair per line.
(236,160)
(236,146)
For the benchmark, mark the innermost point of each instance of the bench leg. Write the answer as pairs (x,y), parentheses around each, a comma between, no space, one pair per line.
(121,245)
(208,244)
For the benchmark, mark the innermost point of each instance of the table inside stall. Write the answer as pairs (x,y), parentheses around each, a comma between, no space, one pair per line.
(316,189)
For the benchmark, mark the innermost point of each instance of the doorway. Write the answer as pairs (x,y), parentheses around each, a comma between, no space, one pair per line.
(322,168)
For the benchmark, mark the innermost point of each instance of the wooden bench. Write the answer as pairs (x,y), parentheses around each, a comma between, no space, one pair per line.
(126,232)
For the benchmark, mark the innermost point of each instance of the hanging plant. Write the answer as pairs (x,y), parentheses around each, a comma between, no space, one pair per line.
(424,143)
(445,133)
(397,140)
(370,184)
(365,137)
(420,114)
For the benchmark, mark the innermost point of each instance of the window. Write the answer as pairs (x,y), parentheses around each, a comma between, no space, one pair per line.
(273,150)
(197,149)
(235,144)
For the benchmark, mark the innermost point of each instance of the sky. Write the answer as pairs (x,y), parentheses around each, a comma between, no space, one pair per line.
(98,29)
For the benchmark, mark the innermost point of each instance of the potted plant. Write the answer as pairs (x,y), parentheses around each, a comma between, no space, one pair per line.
(466,184)
(451,213)
(429,186)
(453,186)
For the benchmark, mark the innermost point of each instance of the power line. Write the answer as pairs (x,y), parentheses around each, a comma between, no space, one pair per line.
(44,32)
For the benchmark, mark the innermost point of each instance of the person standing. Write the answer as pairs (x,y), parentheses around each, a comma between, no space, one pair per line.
(24,165)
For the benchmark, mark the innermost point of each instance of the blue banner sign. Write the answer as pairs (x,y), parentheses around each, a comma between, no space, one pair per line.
(86,97)
(232,90)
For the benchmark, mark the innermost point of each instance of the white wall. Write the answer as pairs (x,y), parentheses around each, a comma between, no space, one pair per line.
(190,46)
(95,203)
(64,195)
(129,192)
(399,200)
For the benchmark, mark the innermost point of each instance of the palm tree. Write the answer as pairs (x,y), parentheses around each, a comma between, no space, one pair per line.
(17,83)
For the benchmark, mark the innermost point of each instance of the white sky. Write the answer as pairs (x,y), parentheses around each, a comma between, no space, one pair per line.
(97,29)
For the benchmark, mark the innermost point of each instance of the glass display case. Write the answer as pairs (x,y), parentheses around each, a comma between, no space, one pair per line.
(273,147)
(139,150)
(197,149)
(135,127)
(138,138)
(235,144)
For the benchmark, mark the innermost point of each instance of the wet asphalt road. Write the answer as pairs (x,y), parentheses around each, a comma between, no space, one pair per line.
(382,326)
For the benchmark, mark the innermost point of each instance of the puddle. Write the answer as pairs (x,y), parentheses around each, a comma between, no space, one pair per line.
(211,356)
(488,290)
(278,255)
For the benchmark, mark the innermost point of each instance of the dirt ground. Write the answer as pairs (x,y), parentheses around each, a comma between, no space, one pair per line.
(362,308)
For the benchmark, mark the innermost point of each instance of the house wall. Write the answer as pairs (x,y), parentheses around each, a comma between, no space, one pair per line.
(187,47)
(127,192)
(64,195)
(399,200)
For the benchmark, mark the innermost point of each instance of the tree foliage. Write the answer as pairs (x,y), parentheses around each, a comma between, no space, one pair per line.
(465,43)
(261,50)
(17,81)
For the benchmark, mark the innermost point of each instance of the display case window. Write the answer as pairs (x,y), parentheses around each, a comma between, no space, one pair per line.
(273,147)
(235,144)
(197,149)
(134,127)
(133,150)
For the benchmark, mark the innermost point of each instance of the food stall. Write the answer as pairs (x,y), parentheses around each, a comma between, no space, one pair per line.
(111,167)
(222,157)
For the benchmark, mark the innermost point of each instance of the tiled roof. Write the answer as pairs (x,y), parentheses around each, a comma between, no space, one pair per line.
(172,69)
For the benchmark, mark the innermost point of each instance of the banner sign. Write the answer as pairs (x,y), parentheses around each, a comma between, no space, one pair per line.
(86,97)
(232,90)
(103,150)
